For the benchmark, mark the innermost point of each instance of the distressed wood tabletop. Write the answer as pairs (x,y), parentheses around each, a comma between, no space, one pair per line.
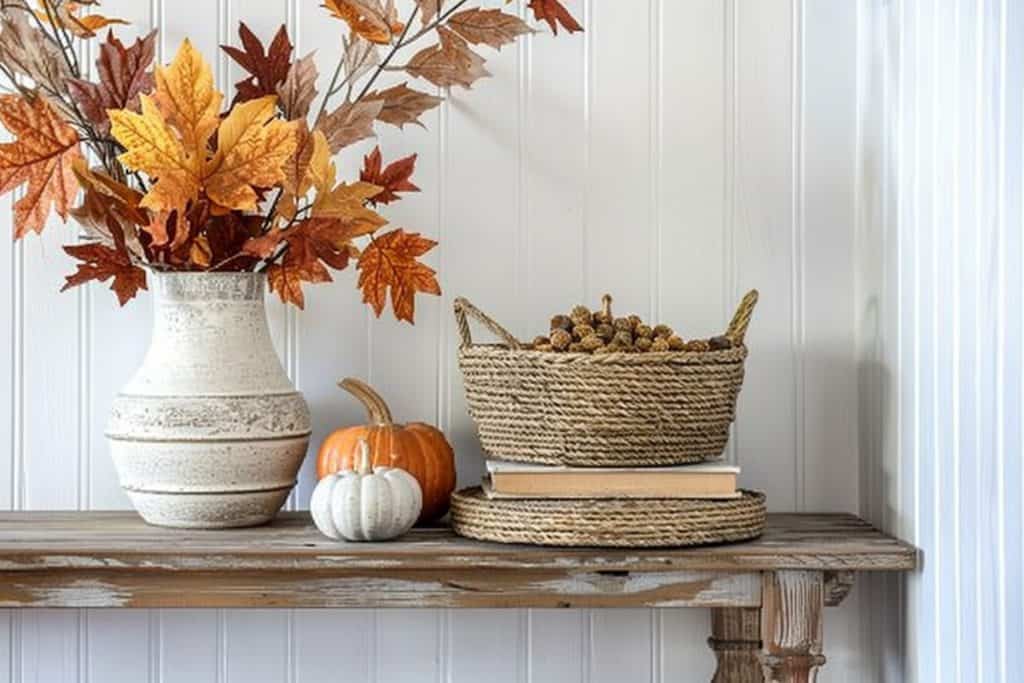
(113,559)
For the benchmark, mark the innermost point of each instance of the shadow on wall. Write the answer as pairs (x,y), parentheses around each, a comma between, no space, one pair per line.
(885,595)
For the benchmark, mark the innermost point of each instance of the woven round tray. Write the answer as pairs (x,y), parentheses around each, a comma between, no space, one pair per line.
(620,523)
(610,410)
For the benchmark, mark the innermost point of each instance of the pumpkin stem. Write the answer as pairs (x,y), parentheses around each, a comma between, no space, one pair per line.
(363,464)
(376,408)
(606,305)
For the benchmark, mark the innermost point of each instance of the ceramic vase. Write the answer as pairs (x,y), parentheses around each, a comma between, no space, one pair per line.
(209,433)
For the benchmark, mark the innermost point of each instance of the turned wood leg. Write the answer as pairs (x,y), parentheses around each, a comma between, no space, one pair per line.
(736,640)
(791,614)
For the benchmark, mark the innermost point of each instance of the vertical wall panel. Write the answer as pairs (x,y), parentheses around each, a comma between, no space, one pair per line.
(487,644)
(556,647)
(689,218)
(622,643)
(949,154)
(765,436)
(334,643)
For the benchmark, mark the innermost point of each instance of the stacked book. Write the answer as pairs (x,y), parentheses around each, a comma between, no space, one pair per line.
(709,481)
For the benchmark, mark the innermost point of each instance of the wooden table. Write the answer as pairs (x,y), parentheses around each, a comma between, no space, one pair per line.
(766,596)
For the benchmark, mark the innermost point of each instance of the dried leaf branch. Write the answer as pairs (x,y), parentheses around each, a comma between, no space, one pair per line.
(184,183)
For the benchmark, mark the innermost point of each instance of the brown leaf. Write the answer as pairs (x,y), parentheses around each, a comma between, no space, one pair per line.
(402,104)
(349,123)
(488,26)
(389,263)
(124,199)
(264,245)
(226,236)
(101,263)
(429,9)
(109,209)
(360,55)
(124,75)
(448,63)
(393,179)
(298,90)
(366,18)
(554,12)
(42,155)
(268,67)
(26,52)
(300,264)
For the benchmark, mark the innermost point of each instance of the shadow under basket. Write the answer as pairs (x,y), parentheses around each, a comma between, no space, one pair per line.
(607,410)
(608,523)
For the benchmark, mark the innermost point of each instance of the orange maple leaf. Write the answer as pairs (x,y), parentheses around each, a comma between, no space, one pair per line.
(389,262)
(42,155)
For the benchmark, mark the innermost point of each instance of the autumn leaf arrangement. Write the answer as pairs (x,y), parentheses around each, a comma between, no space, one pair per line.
(163,173)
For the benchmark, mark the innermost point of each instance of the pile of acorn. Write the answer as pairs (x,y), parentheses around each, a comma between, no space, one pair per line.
(584,332)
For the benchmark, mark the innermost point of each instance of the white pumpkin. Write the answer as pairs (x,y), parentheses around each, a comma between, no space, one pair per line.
(365,504)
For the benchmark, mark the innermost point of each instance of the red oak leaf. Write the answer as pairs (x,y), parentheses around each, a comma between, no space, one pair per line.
(393,179)
(554,12)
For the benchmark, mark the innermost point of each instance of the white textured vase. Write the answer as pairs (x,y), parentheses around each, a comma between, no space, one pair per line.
(210,432)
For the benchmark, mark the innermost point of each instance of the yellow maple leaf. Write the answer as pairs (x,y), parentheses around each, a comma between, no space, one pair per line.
(153,148)
(251,151)
(348,202)
(188,98)
(169,141)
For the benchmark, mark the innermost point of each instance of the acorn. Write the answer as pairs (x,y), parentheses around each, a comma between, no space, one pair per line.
(605,332)
(580,315)
(663,331)
(560,340)
(642,330)
(561,322)
(581,331)
(676,343)
(659,344)
(643,344)
(719,343)
(540,340)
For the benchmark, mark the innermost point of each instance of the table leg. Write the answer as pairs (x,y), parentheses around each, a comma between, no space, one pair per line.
(791,614)
(736,641)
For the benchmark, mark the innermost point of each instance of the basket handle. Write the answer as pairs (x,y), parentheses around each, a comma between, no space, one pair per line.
(738,326)
(464,308)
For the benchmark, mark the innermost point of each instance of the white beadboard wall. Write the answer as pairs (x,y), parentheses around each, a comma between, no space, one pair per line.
(675,154)
(940,309)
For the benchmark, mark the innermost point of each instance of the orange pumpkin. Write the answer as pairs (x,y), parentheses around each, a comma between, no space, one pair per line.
(416,447)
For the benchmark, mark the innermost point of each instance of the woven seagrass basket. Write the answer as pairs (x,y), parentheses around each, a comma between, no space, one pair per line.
(608,410)
(610,523)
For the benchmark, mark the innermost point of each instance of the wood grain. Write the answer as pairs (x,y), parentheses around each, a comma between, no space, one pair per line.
(112,559)
(791,620)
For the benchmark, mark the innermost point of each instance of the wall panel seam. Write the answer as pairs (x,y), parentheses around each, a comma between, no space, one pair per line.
(730,144)
(1001,351)
(654,84)
(797,264)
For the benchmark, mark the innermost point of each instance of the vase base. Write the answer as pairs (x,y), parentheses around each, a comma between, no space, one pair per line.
(208,510)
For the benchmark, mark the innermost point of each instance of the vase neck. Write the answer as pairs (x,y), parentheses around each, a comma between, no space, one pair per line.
(210,337)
